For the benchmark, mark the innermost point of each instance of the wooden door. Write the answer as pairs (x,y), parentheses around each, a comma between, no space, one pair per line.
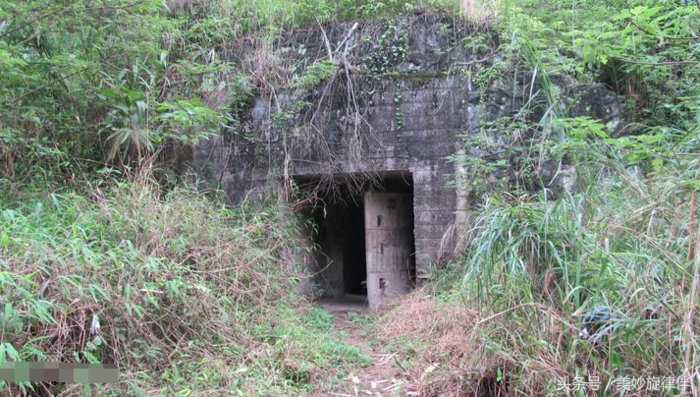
(388,234)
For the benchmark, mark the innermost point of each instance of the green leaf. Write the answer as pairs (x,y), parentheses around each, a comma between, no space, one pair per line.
(11,352)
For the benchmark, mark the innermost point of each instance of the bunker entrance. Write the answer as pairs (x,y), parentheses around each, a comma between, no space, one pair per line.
(365,239)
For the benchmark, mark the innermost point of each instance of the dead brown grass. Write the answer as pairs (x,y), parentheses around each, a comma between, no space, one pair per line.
(423,317)
(441,340)
(479,12)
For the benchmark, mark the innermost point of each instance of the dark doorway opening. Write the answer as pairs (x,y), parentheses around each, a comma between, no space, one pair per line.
(339,232)
(354,258)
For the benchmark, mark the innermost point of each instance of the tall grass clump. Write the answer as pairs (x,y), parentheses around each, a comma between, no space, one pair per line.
(184,295)
(627,241)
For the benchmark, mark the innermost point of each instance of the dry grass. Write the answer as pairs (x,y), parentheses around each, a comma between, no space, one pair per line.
(268,69)
(482,13)
(438,339)
(421,316)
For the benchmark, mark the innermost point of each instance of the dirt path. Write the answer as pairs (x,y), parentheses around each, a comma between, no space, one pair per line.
(384,375)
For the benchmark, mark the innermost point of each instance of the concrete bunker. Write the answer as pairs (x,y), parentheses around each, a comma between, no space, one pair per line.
(365,238)
(418,115)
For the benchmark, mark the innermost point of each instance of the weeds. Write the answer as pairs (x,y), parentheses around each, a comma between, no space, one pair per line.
(536,268)
(506,318)
(622,236)
(184,296)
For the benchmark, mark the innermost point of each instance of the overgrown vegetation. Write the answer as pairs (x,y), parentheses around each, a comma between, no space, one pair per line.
(575,215)
(98,264)
(85,81)
(188,297)
(184,296)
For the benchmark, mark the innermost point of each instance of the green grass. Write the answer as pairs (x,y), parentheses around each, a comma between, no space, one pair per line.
(190,297)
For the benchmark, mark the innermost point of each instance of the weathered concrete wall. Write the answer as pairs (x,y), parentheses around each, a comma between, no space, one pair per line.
(407,114)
